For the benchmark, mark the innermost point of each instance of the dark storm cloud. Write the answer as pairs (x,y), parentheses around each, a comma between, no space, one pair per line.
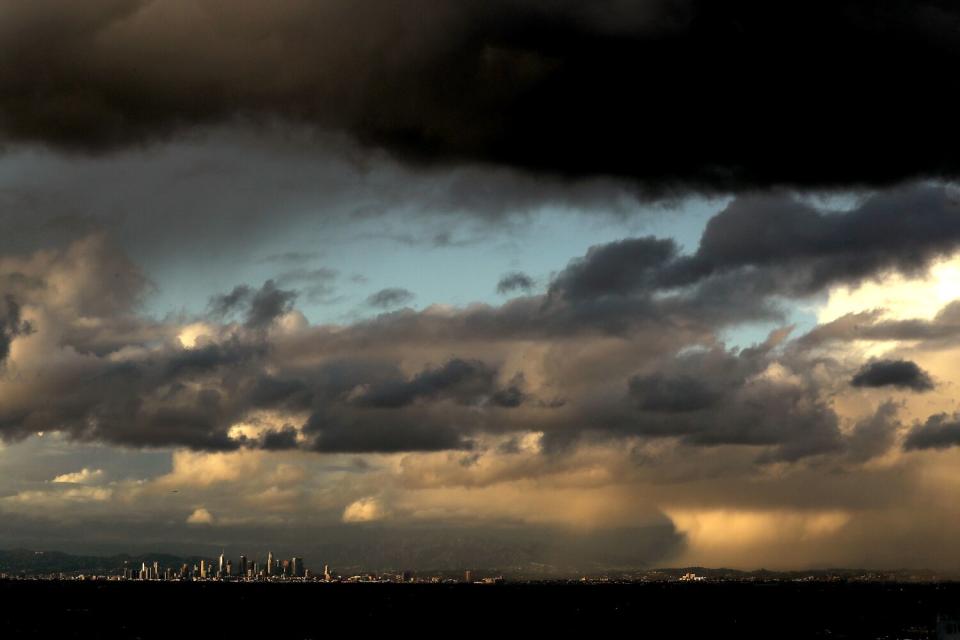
(391,297)
(285,394)
(618,268)
(229,353)
(655,392)
(716,397)
(268,304)
(261,306)
(11,325)
(365,434)
(511,396)
(280,440)
(515,281)
(904,374)
(461,380)
(775,245)
(803,249)
(940,431)
(224,304)
(814,93)
(175,398)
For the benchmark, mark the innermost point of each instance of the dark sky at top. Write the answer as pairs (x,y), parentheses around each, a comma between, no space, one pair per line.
(669,93)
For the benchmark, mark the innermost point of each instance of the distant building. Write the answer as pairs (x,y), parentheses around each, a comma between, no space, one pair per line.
(269,563)
(296,567)
(468,576)
(692,577)
(243,565)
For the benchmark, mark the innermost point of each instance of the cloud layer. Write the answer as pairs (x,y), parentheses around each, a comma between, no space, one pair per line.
(666,92)
(624,343)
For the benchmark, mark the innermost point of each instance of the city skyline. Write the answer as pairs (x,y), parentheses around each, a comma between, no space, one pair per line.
(163,567)
(280,568)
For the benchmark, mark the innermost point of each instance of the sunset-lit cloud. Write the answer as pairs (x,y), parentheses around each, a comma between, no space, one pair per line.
(200,516)
(363,510)
(84,476)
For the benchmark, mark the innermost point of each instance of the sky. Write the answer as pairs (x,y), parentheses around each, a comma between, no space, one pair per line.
(411,284)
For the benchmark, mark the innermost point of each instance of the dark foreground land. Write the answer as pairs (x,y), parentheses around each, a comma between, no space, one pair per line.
(234,610)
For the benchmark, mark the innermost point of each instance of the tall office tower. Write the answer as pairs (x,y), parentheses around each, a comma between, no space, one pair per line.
(269,563)
(144,572)
(156,570)
(243,565)
(326,572)
(203,568)
(220,565)
(296,567)
(468,576)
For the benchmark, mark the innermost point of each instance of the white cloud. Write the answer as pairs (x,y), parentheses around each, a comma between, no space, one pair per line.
(200,516)
(60,499)
(364,510)
(84,476)
(202,469)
